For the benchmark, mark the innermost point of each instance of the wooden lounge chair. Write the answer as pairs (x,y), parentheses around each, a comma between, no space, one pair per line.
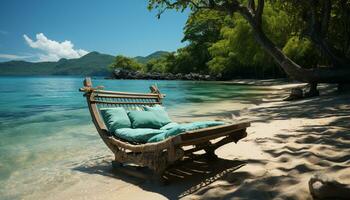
(160,155)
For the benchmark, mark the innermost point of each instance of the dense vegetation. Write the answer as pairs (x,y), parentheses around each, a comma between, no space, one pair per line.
(138,63)
(308,39)
(224,45)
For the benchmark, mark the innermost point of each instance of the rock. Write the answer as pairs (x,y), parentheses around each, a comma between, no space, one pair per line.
(120,73)
(296,93)
(179,76)
(207,77)
(323,187)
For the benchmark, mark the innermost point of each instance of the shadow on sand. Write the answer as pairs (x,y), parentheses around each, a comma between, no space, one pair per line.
(186,178)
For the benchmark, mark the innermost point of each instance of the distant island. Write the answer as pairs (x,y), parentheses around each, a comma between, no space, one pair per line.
(92,64)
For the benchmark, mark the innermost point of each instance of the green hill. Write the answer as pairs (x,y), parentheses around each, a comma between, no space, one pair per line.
(154,55)
(93,63)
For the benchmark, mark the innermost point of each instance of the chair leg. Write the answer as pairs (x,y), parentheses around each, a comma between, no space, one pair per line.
(210,151)
(160,179)
(210,154)
(158,175)
(116,164)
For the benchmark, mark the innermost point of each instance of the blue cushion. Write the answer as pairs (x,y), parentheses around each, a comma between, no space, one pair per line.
(144,119)
(115,118)
(169,126)
(160,113)
(139,135)
(182,128)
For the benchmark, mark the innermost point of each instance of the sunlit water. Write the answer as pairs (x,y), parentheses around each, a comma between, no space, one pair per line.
(46,130)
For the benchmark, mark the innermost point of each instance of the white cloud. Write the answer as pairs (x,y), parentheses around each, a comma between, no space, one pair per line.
(13,57)
(53,50)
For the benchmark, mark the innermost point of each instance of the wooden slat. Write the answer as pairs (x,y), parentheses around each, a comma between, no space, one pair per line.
(126,96)
(125,93)
(138,103)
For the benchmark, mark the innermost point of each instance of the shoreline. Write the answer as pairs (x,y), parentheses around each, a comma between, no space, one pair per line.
(127,74)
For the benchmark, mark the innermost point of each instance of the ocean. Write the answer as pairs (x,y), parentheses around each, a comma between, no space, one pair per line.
(46,129)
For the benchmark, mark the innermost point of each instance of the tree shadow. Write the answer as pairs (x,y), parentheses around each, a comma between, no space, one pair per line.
(314,108)
(335,105)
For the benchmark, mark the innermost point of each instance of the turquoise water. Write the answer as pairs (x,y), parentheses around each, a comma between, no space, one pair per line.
(45,127)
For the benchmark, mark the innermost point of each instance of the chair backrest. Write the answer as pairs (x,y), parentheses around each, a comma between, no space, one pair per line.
(130,101)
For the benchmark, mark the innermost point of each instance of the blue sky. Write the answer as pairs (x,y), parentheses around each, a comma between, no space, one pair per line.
(36,30)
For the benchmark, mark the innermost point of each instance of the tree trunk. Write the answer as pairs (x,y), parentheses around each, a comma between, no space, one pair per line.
(314,75)
(312,90)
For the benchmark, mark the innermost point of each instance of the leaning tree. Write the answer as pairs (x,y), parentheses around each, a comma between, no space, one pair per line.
(318,18)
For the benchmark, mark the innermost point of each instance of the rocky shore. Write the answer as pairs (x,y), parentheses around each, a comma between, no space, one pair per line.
(130,74)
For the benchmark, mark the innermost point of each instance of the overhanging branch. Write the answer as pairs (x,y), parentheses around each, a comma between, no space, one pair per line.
(314,75)
(259,11)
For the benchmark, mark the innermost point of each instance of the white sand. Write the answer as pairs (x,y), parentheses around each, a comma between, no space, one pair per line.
(287,143)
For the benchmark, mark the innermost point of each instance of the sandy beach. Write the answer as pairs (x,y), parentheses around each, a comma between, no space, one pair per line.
(287,143)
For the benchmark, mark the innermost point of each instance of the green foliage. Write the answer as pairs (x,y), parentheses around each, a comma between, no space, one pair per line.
(302,51)
(201,31)
(155,55)
(237,52)
(155,62)
(126,63)
(203,27)
(221,42)
(165,63)
(336,33)
(157,65)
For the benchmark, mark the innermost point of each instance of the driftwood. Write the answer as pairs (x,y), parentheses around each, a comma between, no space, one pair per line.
(298,92)
(160,155)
